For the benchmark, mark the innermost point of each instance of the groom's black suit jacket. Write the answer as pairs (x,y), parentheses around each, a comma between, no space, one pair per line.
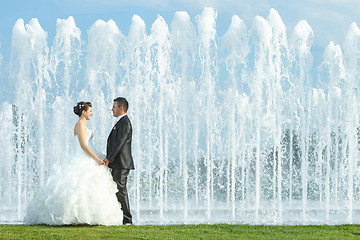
(118,150)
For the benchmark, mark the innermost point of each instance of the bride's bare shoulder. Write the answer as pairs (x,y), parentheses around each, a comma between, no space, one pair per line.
(79,126)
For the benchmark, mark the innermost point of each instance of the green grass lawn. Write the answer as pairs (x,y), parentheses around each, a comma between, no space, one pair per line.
(218,231)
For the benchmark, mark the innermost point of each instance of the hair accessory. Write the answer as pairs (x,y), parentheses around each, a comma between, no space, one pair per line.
(81,106)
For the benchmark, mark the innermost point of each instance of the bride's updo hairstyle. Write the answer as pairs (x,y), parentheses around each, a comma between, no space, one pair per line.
(81,106)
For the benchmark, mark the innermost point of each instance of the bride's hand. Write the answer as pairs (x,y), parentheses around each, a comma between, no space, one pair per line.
(100,162)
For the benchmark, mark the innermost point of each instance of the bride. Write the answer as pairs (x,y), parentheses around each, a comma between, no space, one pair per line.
(80,190)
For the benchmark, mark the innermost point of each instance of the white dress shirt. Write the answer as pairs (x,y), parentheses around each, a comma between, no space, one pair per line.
(119,117)
(117,120)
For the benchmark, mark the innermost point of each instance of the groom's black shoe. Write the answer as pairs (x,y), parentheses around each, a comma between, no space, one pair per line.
(127,222)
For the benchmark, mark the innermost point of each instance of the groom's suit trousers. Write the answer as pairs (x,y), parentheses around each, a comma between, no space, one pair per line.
(120,177)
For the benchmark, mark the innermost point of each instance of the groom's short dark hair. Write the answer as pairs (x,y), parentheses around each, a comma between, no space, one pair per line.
(122,102)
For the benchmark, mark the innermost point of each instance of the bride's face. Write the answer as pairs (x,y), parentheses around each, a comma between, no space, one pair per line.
(88,113)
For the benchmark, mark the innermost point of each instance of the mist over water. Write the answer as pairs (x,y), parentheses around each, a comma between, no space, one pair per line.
(226,128)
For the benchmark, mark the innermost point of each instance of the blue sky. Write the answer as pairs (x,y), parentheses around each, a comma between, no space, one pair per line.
(329,19)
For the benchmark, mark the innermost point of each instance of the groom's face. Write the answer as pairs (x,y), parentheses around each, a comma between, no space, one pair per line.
(116,110)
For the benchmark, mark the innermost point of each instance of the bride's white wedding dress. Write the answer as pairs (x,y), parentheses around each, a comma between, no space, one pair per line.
(78,191)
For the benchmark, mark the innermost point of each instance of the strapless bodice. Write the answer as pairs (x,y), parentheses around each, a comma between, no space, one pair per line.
(88,137)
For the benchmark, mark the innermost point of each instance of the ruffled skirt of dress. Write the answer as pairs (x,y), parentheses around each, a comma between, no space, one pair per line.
(77,192)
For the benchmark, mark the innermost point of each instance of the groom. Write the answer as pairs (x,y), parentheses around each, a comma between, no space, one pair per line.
(118,154)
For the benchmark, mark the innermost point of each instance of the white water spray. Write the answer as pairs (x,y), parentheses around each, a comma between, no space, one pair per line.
(228,129)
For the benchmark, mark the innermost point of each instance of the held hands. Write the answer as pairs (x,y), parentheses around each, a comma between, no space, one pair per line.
(106,161)
(100,162)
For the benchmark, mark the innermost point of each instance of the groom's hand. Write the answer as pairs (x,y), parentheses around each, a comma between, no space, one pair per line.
(106,161)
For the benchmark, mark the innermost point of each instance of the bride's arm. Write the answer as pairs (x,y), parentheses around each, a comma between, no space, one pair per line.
(84,146)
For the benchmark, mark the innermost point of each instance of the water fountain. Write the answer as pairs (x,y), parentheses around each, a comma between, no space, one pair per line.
(229,129)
